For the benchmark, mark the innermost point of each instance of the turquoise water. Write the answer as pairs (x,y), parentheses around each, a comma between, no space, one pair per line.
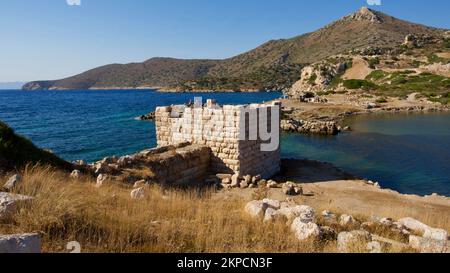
(408,153)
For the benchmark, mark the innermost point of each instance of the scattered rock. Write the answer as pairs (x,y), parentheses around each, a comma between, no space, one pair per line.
(20,243)
(305,213)
(244,184)
(290,188)
(304,231)
(347,241)
(388,222)
(101,179)
(427,245)
(138,193)
(256,179)
(9,203)
(75,174)
(235,181)
(256,208)
(272,184)
(13,182)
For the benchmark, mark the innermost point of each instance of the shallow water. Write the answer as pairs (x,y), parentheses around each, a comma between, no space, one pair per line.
(408,153)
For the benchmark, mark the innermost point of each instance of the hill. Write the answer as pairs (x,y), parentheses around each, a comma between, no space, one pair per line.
(17,151)
(275,65)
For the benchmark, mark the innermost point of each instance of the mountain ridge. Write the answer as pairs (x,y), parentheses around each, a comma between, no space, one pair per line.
(275,65)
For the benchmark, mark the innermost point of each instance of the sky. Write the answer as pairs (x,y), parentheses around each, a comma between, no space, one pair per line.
(53,39)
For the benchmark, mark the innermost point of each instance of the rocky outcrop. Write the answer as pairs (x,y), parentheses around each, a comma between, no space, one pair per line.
(20,243)
(310,127)
(149,117)
(12,182)
(315,78)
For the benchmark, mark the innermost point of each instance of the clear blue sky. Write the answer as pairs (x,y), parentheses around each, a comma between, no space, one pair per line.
(48,39)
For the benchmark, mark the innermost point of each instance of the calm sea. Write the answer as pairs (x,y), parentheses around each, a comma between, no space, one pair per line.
(408,153)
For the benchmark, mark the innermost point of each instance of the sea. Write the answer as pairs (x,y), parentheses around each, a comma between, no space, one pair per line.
(409,153)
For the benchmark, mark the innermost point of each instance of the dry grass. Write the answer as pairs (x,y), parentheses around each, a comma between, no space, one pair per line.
(107,220)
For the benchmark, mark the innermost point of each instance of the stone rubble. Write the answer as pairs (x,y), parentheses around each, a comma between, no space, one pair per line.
(20,243)
(302,222)
(9,203)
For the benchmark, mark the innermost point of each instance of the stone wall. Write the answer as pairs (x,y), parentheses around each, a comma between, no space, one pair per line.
(219,129)
(181,165)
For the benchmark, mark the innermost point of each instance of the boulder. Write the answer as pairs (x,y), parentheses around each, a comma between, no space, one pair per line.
(256,179)
(138,193)
(305,213)
(243,184)
(348,241)
(272,184)
(20,243)
(270,215)
(428,245)
(419,227)
(248,179)
(9,203)
(305,231)
(256,208)
(75,174)
(274,204)
(235,181)
(12,182)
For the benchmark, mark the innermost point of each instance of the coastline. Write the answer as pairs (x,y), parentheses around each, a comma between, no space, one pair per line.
(338,108)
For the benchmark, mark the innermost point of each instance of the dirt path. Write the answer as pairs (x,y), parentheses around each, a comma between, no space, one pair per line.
(359,70)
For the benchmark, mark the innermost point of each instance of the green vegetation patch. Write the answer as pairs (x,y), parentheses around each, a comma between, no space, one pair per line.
(376,75)
(359,84)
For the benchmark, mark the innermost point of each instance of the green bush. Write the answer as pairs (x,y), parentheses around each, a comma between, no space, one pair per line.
(359,84)
(381,100)
(376,75)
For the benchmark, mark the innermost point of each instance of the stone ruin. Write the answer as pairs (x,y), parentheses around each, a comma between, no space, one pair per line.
(229,132)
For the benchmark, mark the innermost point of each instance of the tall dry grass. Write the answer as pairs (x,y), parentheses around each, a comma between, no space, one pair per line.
(106,219)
